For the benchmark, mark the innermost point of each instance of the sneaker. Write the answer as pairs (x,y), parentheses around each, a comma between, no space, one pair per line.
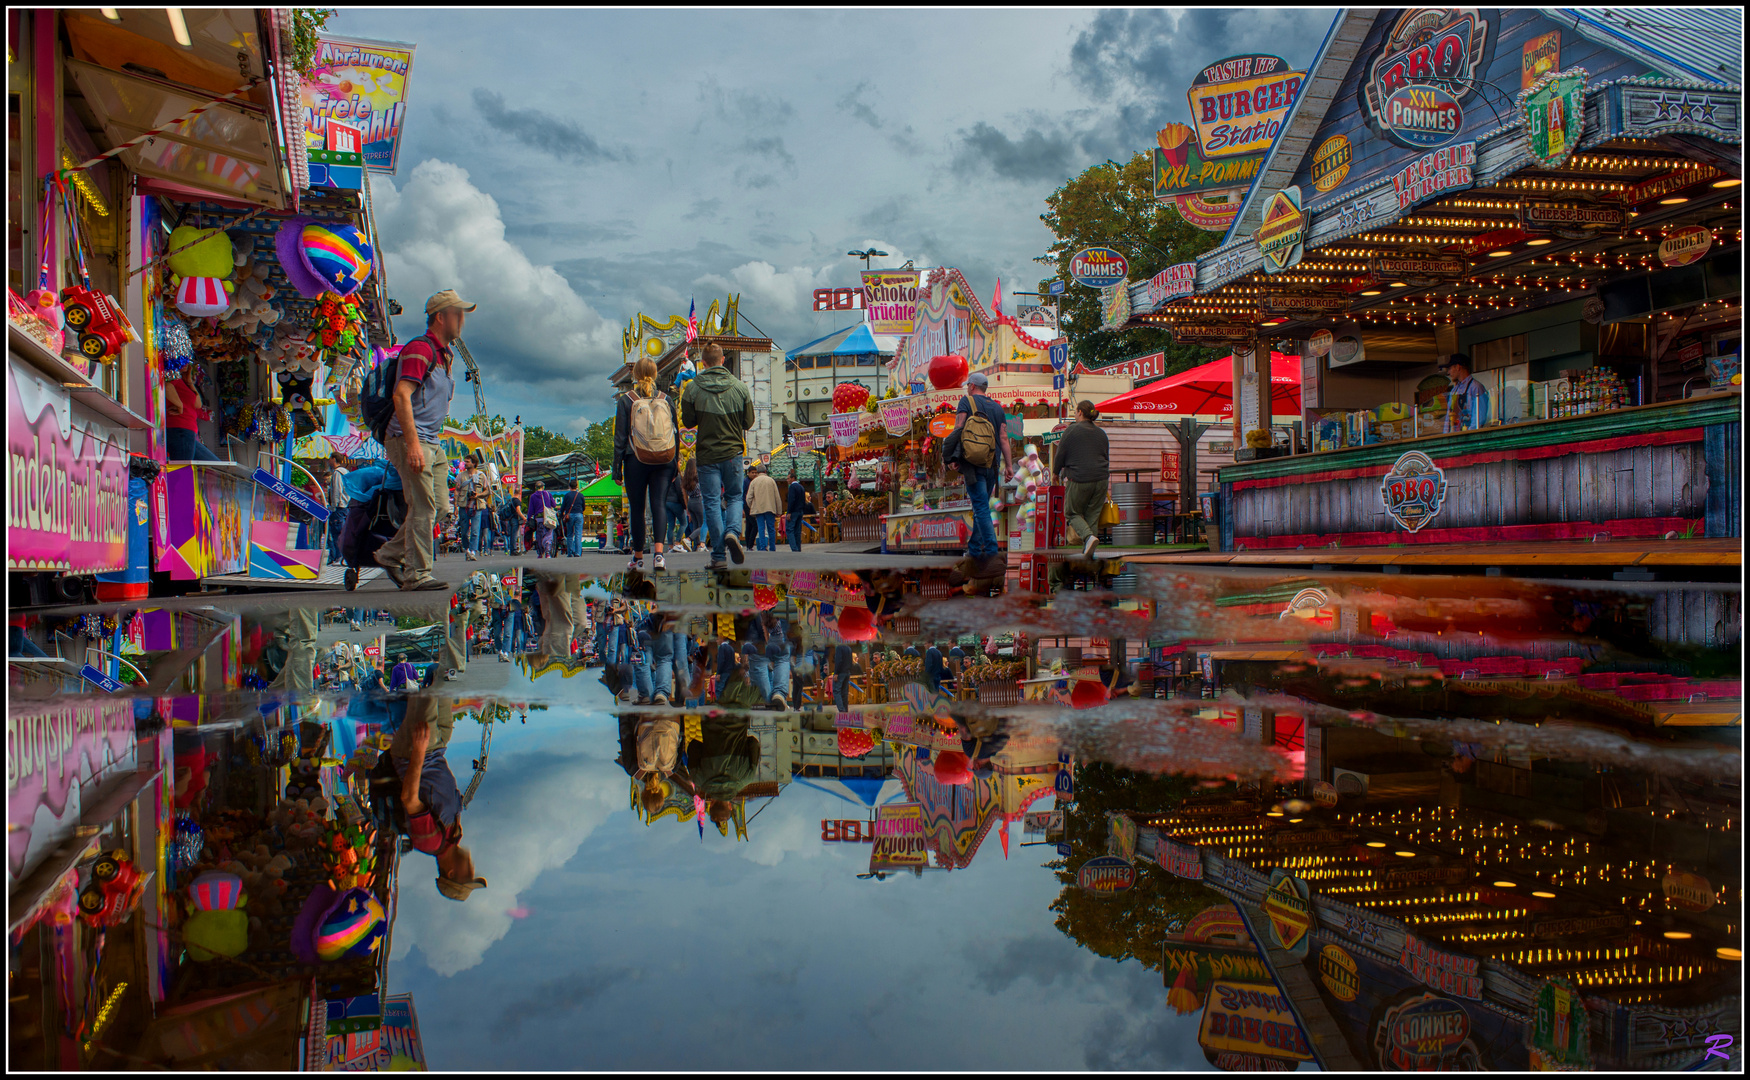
(733,543)
(660,699)
(716,564)
(392,569)
(471,556)
(656,563)
(642,700)
(450,676)
(1088,547)
(429,584)
(503,657)
(637,562)
(779,703)
(356,628)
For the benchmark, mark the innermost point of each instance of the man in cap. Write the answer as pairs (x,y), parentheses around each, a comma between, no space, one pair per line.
(429,795)
(1467,404)
(981,480)
(423,392)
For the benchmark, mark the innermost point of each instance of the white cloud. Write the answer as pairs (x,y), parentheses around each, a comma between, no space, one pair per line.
(538,825)
(438,232)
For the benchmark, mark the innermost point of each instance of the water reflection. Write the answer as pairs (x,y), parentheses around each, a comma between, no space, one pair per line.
(1347,820)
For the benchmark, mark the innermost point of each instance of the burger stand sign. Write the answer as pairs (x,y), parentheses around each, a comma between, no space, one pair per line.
(1418,82)
(1237,106)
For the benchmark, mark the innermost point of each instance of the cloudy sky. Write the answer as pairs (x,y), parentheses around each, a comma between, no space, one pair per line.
(603,943)
(570,169)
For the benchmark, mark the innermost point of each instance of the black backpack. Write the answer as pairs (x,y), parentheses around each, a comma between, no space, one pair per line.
(377,394)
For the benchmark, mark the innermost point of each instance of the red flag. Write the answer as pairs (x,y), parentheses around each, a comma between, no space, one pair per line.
(1005,835)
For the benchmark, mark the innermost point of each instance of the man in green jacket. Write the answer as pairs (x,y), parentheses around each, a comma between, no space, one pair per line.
(719,405)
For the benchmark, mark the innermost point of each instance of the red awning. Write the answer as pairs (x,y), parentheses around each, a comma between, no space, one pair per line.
(1208,391)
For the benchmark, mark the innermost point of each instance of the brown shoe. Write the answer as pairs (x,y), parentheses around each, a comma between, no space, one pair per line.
(423,585)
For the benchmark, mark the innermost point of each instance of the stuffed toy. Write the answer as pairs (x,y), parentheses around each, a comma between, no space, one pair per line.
(320,257)
(251,308)
(209,935)
(200,276)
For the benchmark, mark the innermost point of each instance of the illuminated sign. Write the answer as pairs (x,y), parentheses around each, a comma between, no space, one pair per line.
(1282,233)
(1331,162)
(1425,1035)
(1418,81)
(1551,111)
(1106,875)
(1098,268)
(1288,908)
(1449,973)
(1450,169)
(1172,283)
(1413,490)
(1252,1018)
(1238,104)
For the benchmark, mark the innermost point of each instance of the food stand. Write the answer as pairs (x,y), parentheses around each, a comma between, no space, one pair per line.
(931,513)
(603,500)
(1581,249)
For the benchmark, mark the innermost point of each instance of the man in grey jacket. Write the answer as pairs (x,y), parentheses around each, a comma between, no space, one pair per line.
(1083,464)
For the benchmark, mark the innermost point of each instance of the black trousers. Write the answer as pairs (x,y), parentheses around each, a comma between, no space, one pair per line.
(648,483)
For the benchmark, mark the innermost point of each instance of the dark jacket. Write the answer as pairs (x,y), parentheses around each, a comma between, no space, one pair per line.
(1082,456)
(726,760)
(721,407)
(623,430)
(798,503)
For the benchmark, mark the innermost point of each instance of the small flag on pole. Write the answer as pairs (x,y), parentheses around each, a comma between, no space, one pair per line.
(692,320)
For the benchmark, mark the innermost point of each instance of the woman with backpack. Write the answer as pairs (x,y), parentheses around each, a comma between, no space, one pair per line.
(544,512)
(646,444)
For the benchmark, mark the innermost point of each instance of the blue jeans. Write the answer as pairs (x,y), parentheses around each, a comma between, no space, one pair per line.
(778,661)
(601,640)
(574,534)
(498,630)
(794,528)
(841,692)
(181,444)
(666,650)
(641,666)
(983,542)
(720,482)
(477,522)
(758,672)
(765,532)
(677,519)
(516,629)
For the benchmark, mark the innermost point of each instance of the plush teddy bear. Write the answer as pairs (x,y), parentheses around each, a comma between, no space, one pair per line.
(251,302)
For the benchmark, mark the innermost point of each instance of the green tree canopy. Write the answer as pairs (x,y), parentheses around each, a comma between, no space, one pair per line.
(1112,205)
(1132,923)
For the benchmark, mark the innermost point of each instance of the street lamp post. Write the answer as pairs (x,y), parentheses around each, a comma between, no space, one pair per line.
(872,253)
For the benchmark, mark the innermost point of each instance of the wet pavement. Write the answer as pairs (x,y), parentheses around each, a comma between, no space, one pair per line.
(1152,816)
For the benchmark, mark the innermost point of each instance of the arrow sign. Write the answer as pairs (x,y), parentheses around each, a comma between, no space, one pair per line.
(100,680)
(291,494)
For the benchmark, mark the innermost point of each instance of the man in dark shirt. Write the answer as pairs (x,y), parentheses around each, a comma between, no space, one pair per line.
(429,796)
(794,509)
(981,481)
(935,669)
(844,665)
(1083,463)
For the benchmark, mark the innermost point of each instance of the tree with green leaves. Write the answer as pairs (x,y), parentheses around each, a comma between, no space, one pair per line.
(1112,205)
(1132,923)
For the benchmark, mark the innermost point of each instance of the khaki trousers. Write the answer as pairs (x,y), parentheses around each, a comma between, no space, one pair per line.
(1082,504)
(428,498)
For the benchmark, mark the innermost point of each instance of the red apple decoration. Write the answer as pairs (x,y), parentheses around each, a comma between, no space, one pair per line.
(849,397)
(854,742)
(949,371)
(1088,694)
(856,624)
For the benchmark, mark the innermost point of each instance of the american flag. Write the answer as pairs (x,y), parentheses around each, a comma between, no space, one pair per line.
(692,320)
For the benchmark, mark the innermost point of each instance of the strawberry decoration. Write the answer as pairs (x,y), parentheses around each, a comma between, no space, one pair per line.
(855,742)
(848,397)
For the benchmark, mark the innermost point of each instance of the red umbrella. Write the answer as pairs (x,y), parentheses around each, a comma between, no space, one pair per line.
(1208,390)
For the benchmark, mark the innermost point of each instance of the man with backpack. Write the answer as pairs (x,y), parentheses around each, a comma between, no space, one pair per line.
(421,399)
(721,407)
(980,440)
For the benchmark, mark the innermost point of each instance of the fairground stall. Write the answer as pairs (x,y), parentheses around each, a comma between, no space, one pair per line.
(955,336)
(1556,206)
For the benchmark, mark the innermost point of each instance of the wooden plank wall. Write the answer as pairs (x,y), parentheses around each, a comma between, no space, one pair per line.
(1724,445)
(1712,619)
(1637,482)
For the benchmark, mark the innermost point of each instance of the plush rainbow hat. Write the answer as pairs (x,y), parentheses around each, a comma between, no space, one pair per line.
(320,257)
(334,924)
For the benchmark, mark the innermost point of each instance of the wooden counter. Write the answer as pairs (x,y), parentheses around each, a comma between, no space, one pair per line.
(1639,472)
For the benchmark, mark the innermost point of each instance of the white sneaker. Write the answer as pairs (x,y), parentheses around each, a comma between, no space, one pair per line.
(450,676)
(657,563)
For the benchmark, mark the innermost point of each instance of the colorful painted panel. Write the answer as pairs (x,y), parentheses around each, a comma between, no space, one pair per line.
(205,519)
(273,554)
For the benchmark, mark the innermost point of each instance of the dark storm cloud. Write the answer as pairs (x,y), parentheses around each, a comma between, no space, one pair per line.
(744,106)
(903,139)
(772,147)
(556,997)
(1044,960)
(1035,155)
(1143,60)
(702,209)
(882,216)
(561,138)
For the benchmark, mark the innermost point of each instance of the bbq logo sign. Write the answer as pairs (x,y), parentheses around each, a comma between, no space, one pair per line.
(1417,84)
(1413,490)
